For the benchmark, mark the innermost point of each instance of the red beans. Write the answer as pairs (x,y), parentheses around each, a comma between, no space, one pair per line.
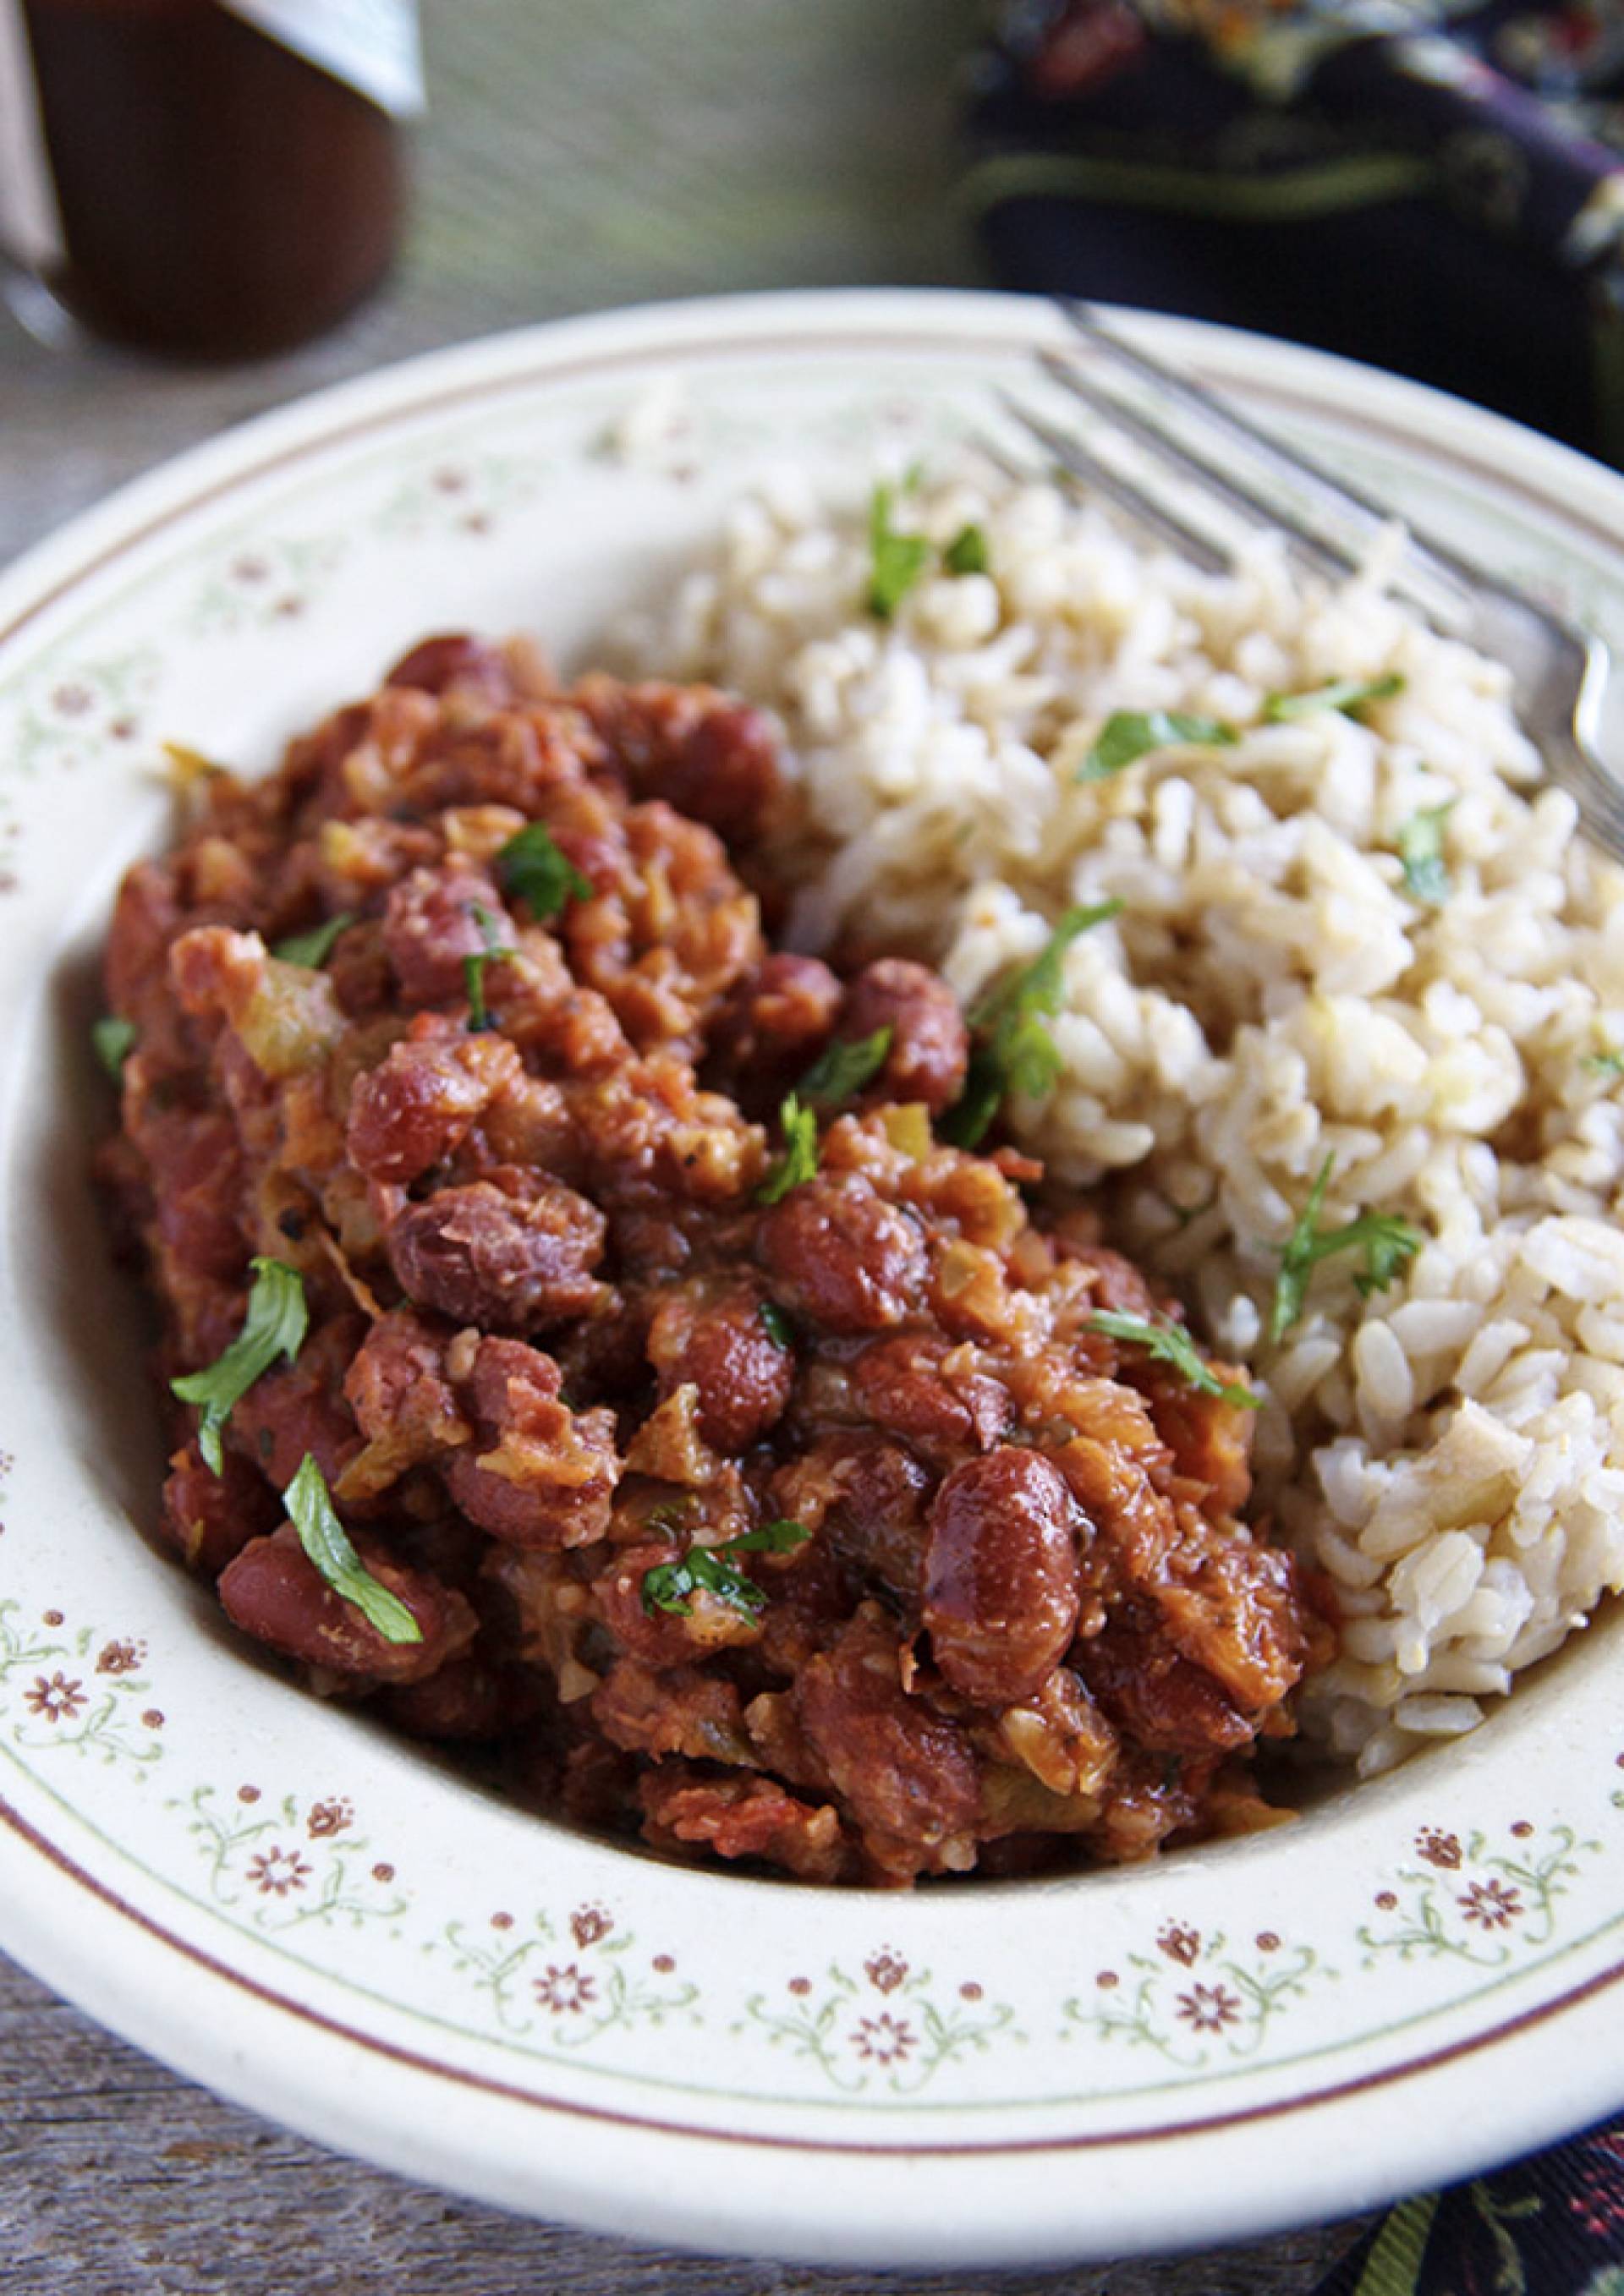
(712,759)
(209,1518)
(507,1259)
(1001,1591)
(557,1341)
(538,1474)
(455,661)
(1163,1701)
(902,1386)
(774,1025)
(273,1591)
(300,1407)
(430,927)
(930,1045)
(837,1254)
(907,1775)
(419,1104)
(398,1389)
(712,1335)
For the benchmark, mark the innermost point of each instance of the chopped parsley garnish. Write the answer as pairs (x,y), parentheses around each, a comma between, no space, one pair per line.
(1014,1051)
(1609,1063)
(531,869)
(896,561)
(326,1542)
(1129,734)
(846,1067)
(1421,848)
(799,1161)
(315,946)
(474,969)
(1347,695)
(670,1586)
(113,1040)
(967,553)
(779,1328)
(1170,1343)
(1387,1241)
(274,1325)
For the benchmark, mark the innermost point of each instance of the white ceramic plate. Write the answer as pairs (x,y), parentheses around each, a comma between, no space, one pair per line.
(1418,1978)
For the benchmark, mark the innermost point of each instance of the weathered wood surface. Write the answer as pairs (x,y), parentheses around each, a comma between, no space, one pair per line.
(565,166)
(117,2178)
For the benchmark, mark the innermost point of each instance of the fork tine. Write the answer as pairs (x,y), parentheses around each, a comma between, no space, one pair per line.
(1076,458)
(1436,556)
(1327,555)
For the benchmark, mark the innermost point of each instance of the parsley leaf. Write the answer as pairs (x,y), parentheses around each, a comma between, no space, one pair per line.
(325,1541)
(670,1586)
(274,1325)
(846,1067)
(1170,1343)
(1607,1064)
(1015,1051)
(531,868)
(799,1161)
(1129,734)
(473,970)
(896,560)
(315,946)
(1387,1241)
(1347,695)
(1421,848)
(113,1040)
(967,553)
(779,1328)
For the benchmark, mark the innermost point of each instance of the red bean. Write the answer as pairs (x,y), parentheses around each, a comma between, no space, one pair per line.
(901,1386)
(713,759)
(454,660)
(209,1518)
(540,1474)
(930,1046)
(300,1407)
(507,1259)
(421,1102)
(876,1512)
(907,1775)
(712,1335)
(470,1698)
(430,926)
(839,1256)
(1001,1591)
(1162,1700)
(777,1022)
(275,1593)
(396,1386)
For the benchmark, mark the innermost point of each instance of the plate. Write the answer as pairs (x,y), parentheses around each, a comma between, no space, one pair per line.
(1418,1977)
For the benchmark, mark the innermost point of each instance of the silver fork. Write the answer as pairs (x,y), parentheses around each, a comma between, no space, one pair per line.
(1219,457)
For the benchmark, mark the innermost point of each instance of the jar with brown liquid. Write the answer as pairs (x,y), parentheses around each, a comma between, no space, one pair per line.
(223,178)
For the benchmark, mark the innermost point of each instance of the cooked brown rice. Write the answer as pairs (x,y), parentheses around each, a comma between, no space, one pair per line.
(1451,1449)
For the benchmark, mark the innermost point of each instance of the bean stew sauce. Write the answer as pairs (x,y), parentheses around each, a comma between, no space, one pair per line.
(670,1407)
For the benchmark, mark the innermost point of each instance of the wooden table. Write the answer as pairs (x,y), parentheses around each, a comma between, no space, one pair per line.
(792,142)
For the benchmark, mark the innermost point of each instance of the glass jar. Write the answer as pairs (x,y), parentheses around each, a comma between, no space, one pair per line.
(226,176)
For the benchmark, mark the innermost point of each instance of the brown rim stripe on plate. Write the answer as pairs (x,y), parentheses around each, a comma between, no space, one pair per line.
(549,372)
(716,346)
(1202,2124)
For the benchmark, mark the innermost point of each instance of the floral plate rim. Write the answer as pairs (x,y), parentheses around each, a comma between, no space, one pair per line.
(980,2199)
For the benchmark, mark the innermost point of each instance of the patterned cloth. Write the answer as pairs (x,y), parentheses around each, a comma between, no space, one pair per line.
(1435,185)
(1553,2226)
